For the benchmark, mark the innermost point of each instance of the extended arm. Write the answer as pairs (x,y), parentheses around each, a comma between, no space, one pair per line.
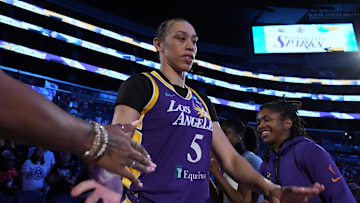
(241,171)
(28,117)
(236,166)
(242,195)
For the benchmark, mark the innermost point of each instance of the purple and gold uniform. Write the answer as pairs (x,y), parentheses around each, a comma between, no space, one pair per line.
(177,133)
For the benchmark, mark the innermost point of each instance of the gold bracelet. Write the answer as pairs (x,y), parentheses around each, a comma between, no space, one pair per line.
(92,152)
(105,142)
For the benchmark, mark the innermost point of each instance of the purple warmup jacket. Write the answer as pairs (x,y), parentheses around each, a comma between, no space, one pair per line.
(177,133)
(301,162)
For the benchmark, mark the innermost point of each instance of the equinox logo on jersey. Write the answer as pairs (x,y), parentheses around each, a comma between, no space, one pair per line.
(181,173)
(178,171)
(202,122)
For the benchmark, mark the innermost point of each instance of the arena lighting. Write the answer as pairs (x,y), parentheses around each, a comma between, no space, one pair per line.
(126,39)
(204,79)
(62,60)
(56,80)
(304,113)
(113,74)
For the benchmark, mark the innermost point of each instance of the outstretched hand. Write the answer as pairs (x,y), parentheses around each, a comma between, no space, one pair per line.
(294,194)
(100,192)
(123,151)
(214,165)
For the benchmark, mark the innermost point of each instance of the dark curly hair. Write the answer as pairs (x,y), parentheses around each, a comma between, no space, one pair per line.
(288,109)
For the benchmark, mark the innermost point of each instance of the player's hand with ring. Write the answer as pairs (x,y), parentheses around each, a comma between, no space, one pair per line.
(122,151)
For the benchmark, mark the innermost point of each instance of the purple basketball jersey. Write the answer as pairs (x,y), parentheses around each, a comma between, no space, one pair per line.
(177,133)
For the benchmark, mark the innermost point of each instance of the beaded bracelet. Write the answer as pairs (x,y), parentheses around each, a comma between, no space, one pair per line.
(105,142)
(99,144)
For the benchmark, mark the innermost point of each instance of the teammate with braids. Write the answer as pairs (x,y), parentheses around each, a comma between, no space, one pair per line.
(294,159)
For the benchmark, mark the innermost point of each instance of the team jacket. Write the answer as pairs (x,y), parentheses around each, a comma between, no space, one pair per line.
(301,162)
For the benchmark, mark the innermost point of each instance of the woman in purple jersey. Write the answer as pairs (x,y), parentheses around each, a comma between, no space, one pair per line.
(293,159)
(179,128)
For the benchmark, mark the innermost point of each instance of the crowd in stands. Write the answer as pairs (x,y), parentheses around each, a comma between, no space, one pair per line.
(31,172)
(86,107)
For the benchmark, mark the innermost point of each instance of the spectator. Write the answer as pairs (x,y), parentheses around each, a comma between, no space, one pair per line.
(62,177)
(34,171)
(9,176)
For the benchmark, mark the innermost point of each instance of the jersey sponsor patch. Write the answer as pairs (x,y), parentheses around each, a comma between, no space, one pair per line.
(186,174)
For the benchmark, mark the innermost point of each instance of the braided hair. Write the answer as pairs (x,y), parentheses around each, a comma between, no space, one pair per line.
(288,109)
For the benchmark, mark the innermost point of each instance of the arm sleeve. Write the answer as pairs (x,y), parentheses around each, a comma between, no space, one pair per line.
(135,92)
(321,168)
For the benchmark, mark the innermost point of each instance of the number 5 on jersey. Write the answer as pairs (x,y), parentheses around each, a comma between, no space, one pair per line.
(196,147)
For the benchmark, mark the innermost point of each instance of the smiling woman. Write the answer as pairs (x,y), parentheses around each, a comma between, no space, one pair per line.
(292,158)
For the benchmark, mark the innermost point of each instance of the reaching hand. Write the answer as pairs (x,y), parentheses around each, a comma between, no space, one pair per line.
(100,192)
(294,194)
(123,151)
(214,165)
